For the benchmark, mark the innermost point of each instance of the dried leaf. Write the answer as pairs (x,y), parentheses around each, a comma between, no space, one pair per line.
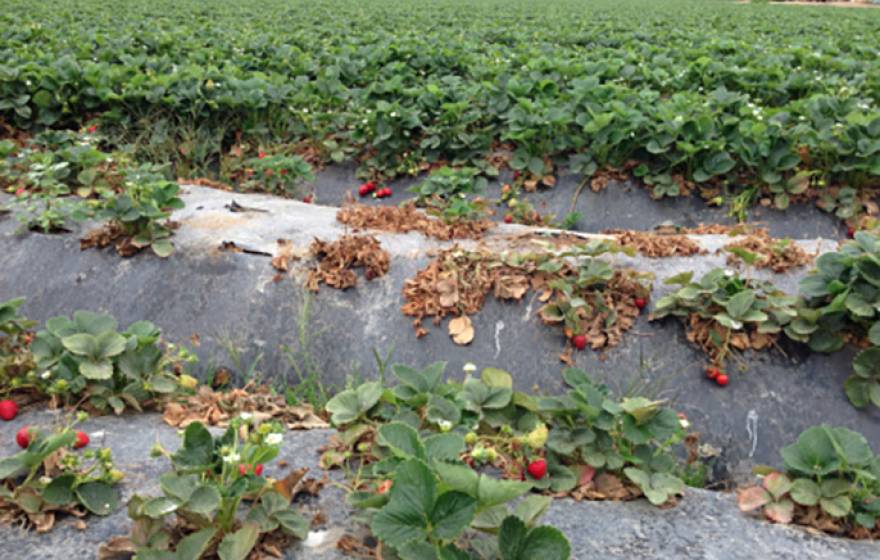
(117,548)
(461,330)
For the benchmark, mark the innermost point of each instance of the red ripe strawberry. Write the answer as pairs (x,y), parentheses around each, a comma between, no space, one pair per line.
(282,172)
(258,469)
(363,190)
(308,198)
(516,174)
(712,372)
(19,191)
(850,232)
(8,409)
(82,440)
(579,341)
(243,469)
(23,437)
(387,191)
(93,129)
(261,155)
(722,379)
(508,219)
(641,303)
(371,185)
(537,469)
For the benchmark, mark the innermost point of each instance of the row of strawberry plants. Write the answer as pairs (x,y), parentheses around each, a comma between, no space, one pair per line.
(58,177)
(716,99)
(422,455)
(838,303)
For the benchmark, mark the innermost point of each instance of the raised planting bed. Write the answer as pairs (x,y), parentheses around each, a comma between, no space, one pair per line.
(245,312)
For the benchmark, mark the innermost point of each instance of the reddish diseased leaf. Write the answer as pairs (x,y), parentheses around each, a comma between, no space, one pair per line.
(777,484)
(752,498)
(780,512)
(586,475)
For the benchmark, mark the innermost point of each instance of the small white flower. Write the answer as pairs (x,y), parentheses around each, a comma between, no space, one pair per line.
(728,272)
(470,367)
(45,479)
(46,374)
(445,425)
(274,439)
(684,423)
(392,114)
(231,458)
(315,538)
(246,416)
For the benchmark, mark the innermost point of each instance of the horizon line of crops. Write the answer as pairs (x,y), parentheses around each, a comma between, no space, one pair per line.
(708,90)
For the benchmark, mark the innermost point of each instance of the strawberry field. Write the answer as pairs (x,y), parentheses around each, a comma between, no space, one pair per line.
(455,281)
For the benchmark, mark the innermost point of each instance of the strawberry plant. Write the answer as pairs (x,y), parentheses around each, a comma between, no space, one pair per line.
(557,444)
(863,387)
(830,481)
(50,175)
(215,498)
(16,362)
(752,103)
(46,478)
(841,297)
(593,298)
(447,183)
(277,174)
(725,313)
(140,212)
(453,194)
(84,359)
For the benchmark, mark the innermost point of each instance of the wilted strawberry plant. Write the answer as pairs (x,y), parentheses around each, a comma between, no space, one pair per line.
(725,313)
(830,482)
(217,499)
(86,361)
(46,478)
(593,302)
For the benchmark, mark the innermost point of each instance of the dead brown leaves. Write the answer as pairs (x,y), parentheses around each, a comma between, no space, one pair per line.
(777,255)
(610,313)
(215,408)
(604,486)
(461,330)
(206,182)
(407,218)
(654,245)
(18,508)
(336,259)
(285,255)
(112,233)
(602,177)
(705,332)
(41,521)
(106,235)
(457,282)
